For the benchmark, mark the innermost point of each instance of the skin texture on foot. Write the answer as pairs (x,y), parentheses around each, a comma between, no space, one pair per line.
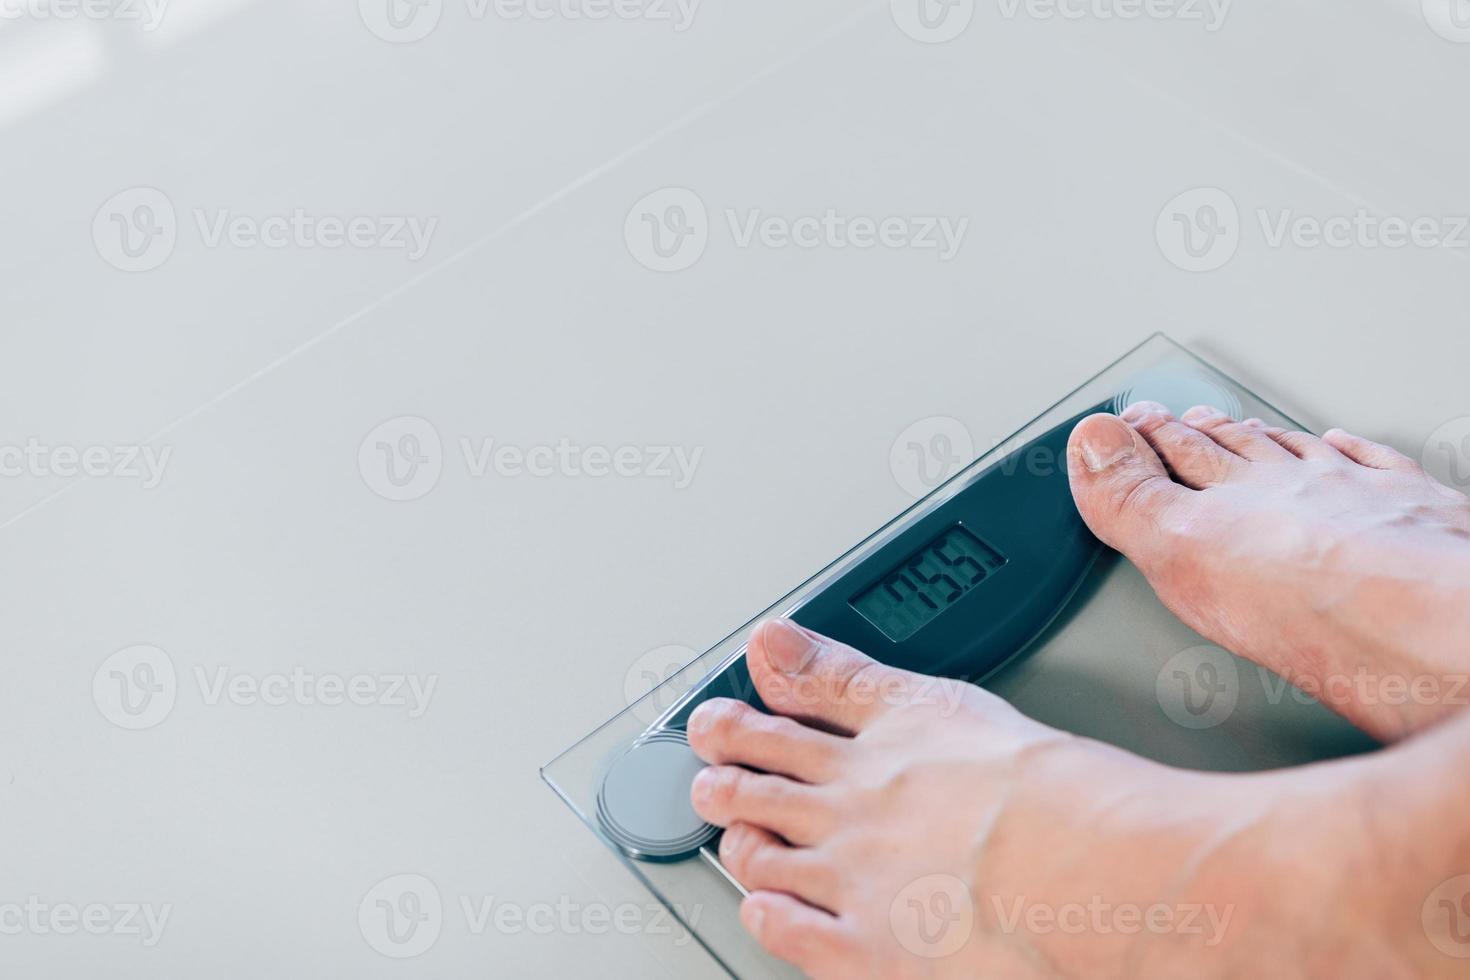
(1336,562)
(888,829)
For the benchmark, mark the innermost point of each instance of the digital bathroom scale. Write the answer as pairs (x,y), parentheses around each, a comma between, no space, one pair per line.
(994,578)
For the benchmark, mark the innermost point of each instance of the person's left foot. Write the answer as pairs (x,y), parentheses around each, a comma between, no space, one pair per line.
(888,824)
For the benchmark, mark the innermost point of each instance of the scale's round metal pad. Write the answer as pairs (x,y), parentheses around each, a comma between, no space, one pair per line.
(643,804)
(1179,391)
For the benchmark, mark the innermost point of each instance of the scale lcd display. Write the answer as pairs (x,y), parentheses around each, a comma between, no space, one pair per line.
(927,583)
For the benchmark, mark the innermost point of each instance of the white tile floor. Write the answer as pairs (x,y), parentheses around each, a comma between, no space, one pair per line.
(529,320)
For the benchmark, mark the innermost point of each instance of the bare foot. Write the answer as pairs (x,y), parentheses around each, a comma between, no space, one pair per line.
(886,831)
(1335,562)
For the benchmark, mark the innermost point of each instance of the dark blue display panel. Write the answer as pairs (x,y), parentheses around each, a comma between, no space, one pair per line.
(905,604)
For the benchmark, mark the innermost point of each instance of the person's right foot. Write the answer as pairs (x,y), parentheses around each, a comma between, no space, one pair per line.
(1336,562)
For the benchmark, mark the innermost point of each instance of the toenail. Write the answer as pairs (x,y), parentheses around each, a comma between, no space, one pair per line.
(1199,412)
(1104,441)
(788,646)
(734,843)
(755,918)
(703,718)
(704,786)
(1138,410)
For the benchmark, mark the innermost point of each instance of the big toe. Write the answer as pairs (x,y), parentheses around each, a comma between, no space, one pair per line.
(813,678)
(1121,487)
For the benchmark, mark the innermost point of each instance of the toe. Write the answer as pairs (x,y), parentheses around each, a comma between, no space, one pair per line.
(815,942)
(726,732)
(1194,458)
(1302,445)
(1246,439)
(1365,452)
(761,861)
(726,795)
(1121,487)
(810,677)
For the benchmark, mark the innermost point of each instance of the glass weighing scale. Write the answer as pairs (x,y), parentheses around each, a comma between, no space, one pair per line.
(992,577)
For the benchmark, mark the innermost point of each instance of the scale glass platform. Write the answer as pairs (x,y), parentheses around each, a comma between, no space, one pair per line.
(994,578)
